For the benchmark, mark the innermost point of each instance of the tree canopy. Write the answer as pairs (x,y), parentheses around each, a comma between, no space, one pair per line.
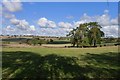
(86,34)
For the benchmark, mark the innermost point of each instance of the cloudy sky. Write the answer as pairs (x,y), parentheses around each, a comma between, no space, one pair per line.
(57,18)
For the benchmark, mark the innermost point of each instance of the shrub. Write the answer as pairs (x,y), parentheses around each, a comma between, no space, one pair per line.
(36,41)
(51,40)
(6,42)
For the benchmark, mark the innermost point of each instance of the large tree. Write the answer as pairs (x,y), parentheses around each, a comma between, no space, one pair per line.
(86,33)
(77,35)
(82,33)
(94,33)
(73,37)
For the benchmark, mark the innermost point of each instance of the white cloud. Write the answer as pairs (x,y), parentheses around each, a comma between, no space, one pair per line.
(32,28)
(45,23)
(84,19)
(114,21)
(110,30)
(77,23)
(51,24)
(53,32)
(12,6)
(22,24)
(64,25)
(9,28)
(42,22)
(14,21)
(104,20)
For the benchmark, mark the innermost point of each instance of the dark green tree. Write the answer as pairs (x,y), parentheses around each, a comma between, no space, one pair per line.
(87,33)
(73,37)
(94,33)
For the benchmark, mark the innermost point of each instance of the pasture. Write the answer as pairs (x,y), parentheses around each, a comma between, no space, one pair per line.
(59,63)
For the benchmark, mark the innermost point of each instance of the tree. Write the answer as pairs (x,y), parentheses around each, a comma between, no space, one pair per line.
(95,34)
(79,35)
(36,41)
(87,33)
(83,31)
(72,35)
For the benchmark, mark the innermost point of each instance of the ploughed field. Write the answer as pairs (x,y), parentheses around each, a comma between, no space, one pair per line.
(59,63)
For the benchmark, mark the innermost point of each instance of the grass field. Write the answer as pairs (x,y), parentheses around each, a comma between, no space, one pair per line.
(52,63)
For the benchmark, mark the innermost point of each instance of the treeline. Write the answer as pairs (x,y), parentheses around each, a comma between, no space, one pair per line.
(40,41)
(111,40)
(32,36)
(37,41)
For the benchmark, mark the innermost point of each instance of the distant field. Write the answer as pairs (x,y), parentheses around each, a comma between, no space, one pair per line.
(53,63)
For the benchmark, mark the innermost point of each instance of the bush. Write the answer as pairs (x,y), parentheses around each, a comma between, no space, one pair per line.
(20,42)
(104,45)
(117,44)
(51,40)
(36,41)
(100,45)
(6,42)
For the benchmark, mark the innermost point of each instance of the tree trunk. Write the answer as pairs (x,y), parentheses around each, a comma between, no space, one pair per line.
(74,44)
(77,45)
(94,42)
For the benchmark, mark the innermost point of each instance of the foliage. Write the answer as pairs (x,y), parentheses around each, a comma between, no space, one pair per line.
(36,41)
(111,40)
(86,34)
(5,42)
(51,40)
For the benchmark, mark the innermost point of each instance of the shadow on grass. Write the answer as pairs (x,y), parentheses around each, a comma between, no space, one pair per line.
(26,65)
(104,65)
(59,42)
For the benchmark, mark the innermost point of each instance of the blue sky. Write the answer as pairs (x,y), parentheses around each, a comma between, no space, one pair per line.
(57,11)
(56,18)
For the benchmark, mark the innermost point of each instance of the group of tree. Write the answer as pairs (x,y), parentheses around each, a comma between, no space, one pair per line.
(86,34)
(36,41)
(111,40)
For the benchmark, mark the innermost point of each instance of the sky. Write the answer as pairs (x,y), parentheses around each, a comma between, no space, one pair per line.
(57,18)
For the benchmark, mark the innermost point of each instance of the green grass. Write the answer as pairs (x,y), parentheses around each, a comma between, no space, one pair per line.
(52,63)
(65,51)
